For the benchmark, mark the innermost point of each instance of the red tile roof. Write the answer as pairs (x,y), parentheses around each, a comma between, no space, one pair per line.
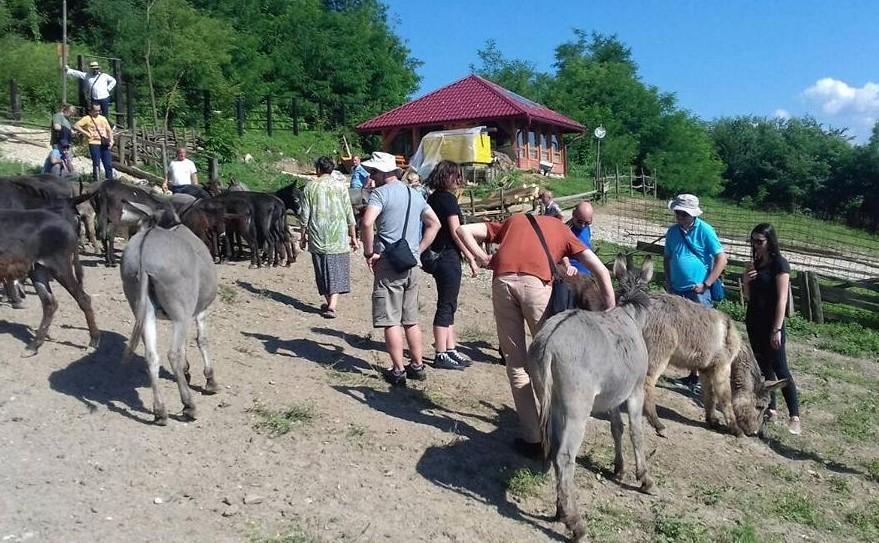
(470,99)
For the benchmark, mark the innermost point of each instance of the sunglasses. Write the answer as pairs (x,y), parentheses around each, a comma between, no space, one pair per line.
(582,222)
(756,241)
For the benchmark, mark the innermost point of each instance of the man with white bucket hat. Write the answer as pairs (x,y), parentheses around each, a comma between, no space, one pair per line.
(393,241)
(694,257)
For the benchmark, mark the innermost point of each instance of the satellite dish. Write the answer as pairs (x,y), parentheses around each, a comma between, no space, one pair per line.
(600,132)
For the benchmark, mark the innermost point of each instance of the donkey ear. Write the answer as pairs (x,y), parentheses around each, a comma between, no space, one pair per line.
(769,386)
(620,265)
(135,208)
(646,270)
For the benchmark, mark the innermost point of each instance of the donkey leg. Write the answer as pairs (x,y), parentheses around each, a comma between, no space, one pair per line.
(177,357)
(723,396)
(40,278)
(66,277)
(151,352)
(654,373)
(709,397)
(634,406)
(13,294)
(616,429)
(565,442)
(202,340)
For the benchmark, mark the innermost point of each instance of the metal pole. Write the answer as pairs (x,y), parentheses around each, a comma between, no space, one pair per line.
(117,92)
(598,164)
(64,51)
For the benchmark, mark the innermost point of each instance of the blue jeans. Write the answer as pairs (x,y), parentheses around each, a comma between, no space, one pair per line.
(704,298)
(101,155)
(105,105)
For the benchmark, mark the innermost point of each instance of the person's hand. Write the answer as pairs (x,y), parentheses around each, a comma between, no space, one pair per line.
(354,245)
(111,145)
(570,271)
(750,272)
(303,242)
(474,267)
(371,260)
(610,302)
(482,260)
(775,342)
(699,289)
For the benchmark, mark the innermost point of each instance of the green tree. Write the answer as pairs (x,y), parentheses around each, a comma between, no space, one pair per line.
(684,160)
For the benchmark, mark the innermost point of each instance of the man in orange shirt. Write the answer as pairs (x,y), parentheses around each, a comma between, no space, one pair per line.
(520,291)
(97,131)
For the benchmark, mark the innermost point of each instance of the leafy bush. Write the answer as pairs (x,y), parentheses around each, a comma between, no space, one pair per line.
(34,66)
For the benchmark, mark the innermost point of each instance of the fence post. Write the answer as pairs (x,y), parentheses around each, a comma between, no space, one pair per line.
(206,102)
(269,115)
(117,90)
(213,169)
(121,149)
(805,301)
(239,114)
(815,297)
(132,123)
(294,112)
(14,101)
(83,99)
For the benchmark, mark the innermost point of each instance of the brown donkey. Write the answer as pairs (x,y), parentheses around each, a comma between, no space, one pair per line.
(686,335)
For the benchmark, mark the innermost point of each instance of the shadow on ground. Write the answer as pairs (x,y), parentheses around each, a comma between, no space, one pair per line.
(100,378)
(279,297)
(475,464)
(326,354)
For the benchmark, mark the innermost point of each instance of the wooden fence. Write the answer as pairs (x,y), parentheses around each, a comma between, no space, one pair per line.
(808,296)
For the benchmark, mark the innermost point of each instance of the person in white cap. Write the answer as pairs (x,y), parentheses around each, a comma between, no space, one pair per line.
(392,244)
(99,84)
(694,257)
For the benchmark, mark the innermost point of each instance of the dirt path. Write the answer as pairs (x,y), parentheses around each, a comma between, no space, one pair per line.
(81,462)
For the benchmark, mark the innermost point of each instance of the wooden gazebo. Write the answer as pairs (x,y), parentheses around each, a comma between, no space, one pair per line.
(529,133)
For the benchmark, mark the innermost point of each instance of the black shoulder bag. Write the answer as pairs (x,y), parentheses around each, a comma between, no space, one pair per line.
(398,253)
(718,293)
(562,297)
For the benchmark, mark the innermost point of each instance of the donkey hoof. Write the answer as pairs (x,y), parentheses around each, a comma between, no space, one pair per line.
(93,343)
(189,413)
(211,388)
(17,305)
(618,473)
(34,346)
(647,486)
(160,419)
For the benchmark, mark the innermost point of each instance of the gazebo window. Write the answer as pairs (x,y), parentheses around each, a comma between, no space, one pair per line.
(532,144)
(545,153)
(556,148)
(520,143)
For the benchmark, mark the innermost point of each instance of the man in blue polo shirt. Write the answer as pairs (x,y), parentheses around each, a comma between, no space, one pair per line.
(581,226)
(694,257)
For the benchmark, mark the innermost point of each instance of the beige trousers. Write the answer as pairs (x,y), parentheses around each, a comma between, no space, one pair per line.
(519,299)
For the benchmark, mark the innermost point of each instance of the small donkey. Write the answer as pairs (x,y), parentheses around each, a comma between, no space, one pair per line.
(584,362)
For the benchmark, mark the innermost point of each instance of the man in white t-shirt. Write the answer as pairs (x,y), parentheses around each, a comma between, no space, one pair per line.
(181,173)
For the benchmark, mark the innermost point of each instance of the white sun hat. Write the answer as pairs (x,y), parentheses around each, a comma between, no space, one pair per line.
(687,203)
(383,162)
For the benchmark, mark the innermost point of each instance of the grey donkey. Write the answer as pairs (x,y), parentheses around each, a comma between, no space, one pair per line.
(691,336)
(168,273)
(585,362)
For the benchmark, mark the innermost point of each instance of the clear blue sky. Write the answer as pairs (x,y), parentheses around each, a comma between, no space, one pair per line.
(720,58)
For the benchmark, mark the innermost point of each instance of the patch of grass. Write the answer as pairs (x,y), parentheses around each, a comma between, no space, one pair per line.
(525,483)
(856,422)
(227,294)
(742,532)
(708,495)
(813,398)
(839,485)
(866,521)
(605,523)
(872,469)
(280,422)
(669,528)
(733,309)
(797,508)
(783,473)
(11,167)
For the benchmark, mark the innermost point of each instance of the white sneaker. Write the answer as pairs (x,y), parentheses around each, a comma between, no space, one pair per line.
(794,426)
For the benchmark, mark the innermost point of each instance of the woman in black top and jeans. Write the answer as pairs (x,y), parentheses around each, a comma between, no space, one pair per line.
(445,178)
(766,287)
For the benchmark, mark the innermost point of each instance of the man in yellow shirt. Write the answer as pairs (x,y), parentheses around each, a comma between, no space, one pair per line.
(97,130)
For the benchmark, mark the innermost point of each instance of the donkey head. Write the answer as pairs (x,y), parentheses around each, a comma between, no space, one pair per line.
(162,215)
(632,280)
(751,392)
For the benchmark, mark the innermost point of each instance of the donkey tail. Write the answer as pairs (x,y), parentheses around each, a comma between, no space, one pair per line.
(540,360)
(139,316)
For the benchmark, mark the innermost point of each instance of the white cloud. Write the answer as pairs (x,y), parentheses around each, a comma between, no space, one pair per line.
(782,114)
(839,98)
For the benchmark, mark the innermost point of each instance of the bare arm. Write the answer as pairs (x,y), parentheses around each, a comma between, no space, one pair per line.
(431,228)
(719,265)
(111,82)
(782,283)
(194,178)
(588,259)
(471,235)
(367,229)
(75,73)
